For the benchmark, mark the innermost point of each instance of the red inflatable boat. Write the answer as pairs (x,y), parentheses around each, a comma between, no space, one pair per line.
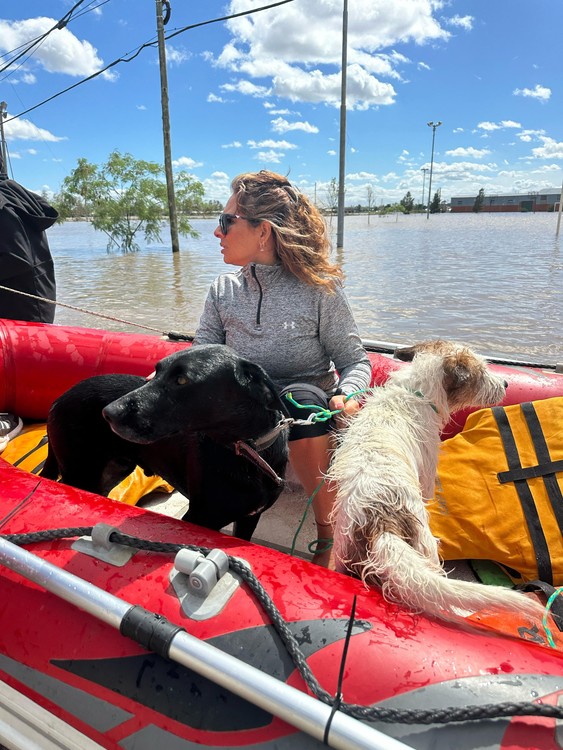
(125,629)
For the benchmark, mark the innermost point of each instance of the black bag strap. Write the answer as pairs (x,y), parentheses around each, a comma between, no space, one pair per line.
(548,467)
(39,445)
(539,542)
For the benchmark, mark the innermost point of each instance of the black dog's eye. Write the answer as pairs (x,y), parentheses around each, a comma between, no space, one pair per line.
(182,380)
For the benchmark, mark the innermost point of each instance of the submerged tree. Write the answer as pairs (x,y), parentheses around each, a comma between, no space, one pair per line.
(407,202)
(435,203)
(479,200)
(125,196)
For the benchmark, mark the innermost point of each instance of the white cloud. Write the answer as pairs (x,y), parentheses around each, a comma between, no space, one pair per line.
(176,55)
(464,22)
(551,149)
(217,187)
(362,88)
(300,54)
(24,130)
(233,144)
(279,125)
(60,51)
(491,126)
(476,153)
(26,78)
(269,143)
(538,92)
(269,157)
(361,176)
(547,168)
(247,88)
(187,162)
(488,126)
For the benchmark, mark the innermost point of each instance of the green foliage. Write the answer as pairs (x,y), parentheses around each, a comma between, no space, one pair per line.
(332,195)
(392,208)
(435,203)
(125,196)
(407,203)
(479,200)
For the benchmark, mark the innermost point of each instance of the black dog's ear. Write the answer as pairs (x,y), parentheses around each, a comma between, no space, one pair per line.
(405,353)
(261,387)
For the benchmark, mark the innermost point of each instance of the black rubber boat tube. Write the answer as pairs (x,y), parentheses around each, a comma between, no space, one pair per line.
(287,703)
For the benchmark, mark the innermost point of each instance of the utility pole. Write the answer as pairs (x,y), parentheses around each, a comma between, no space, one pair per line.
(166,123)
(342,168)
(432,125)
(4,151)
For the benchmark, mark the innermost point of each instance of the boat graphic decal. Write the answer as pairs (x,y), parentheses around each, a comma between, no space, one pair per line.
(479,690)
(151,737)
(183,695)
(95,712)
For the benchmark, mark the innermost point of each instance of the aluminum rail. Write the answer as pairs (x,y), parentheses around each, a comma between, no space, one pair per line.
(277,698)
(388,347)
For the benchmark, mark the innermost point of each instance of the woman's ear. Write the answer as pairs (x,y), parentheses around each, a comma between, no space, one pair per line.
(265,231)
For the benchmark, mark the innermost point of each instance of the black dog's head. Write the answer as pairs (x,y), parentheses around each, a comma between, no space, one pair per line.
(206,388)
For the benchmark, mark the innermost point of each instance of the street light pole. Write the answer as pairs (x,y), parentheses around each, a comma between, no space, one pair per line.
(424,170)
(432,125)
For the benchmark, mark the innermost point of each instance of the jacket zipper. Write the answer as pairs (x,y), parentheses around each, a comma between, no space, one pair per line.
(261,295)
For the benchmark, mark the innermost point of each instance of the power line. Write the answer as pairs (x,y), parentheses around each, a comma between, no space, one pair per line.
(138,51)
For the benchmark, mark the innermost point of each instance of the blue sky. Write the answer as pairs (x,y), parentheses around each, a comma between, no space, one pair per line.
(263,91)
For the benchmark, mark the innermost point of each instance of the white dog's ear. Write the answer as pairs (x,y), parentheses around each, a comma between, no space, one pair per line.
(457,373)
(405,353)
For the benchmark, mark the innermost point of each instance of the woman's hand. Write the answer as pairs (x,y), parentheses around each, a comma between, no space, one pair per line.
(347,407)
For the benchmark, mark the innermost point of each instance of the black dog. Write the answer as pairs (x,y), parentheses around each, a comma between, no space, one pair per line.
(196,423)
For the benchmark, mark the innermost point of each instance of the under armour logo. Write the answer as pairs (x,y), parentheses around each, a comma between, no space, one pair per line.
(288,324)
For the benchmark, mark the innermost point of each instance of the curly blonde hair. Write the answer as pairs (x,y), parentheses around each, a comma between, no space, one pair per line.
(299,230)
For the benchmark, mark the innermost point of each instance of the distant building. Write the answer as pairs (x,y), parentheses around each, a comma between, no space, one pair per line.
(543,200)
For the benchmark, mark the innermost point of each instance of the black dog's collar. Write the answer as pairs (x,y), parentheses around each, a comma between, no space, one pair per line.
(270,437)
(251,449)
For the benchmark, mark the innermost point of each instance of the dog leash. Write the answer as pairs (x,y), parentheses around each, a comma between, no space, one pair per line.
(247,451)
(251,449)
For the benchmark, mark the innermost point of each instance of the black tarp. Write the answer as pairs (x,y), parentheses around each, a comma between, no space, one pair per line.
(26,264)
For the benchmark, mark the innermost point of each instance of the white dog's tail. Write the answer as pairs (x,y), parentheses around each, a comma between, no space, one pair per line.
(409,578)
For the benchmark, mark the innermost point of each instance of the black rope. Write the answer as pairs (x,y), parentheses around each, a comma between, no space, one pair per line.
(447,715)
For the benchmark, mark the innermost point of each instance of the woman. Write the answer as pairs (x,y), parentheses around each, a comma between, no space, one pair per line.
(285,310)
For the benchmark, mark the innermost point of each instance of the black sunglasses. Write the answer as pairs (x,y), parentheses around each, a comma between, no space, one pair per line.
(225,221)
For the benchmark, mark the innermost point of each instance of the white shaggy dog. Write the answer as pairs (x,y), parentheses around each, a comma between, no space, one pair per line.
(385,467)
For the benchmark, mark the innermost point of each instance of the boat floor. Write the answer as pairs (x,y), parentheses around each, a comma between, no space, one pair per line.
(278,526)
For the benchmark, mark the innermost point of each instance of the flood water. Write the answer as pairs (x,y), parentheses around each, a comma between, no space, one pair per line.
(493,281)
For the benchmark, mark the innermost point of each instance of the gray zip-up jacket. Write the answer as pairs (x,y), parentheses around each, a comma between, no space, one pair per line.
(295,331)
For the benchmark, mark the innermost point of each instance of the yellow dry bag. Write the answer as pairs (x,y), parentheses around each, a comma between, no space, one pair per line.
(499,490)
